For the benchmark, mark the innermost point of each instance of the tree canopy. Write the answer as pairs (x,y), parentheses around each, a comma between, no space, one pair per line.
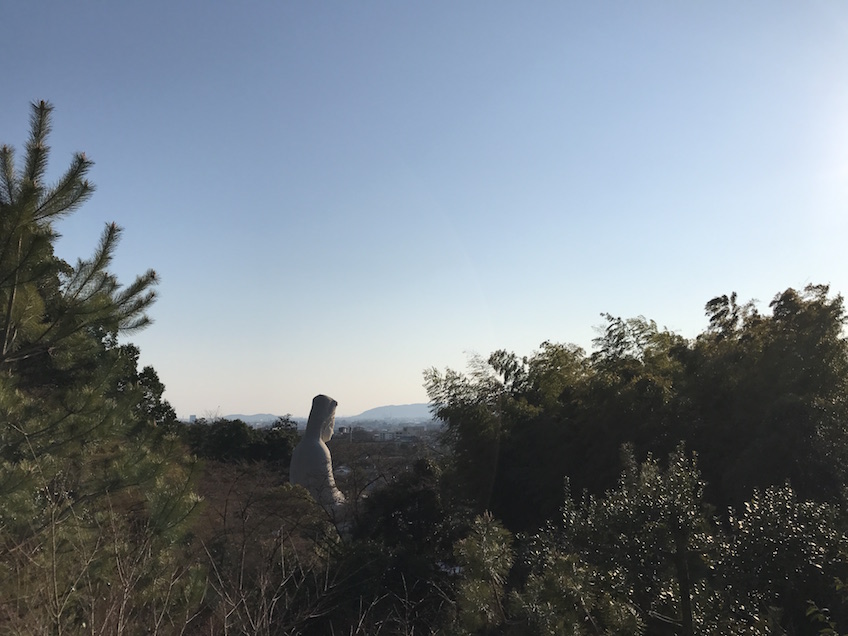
(761,398)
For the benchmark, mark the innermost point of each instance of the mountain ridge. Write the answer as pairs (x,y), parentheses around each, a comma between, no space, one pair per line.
(416,412)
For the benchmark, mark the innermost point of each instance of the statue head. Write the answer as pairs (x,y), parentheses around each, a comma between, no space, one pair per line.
(322,417)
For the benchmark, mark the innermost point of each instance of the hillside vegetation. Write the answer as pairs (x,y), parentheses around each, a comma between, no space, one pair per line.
(657,485)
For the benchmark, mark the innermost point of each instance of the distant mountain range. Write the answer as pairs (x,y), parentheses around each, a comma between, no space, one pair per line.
(399,412)
(406,412)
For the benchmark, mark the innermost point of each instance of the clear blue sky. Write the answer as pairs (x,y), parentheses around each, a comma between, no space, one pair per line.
(338,195)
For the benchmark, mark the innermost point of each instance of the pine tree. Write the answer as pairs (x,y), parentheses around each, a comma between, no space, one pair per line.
(89,500)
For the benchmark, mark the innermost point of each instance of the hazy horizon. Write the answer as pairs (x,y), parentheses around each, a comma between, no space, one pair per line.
(339,415)
(338,196)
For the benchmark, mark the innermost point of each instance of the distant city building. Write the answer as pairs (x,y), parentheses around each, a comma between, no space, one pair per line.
(192,419)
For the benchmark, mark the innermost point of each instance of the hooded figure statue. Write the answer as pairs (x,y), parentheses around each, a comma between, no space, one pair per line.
(311,464)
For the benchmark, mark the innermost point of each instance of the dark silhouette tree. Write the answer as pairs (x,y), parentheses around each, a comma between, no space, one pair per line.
(761,398)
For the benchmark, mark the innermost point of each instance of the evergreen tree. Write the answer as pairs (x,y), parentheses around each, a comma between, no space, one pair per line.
(90,501)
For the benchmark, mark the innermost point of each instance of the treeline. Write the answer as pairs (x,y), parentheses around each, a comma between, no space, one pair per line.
(684,486)
(658,485)
(760,398)
(235,441)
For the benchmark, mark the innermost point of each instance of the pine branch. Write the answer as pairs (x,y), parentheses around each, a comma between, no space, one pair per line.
(136,324)
(132,302)
(95,300)
(86,272)
(7,167)
(108,241)
(69,193)
(27,258)
(37,149)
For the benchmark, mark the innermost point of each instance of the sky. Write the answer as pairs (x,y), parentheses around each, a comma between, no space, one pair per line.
(339,195)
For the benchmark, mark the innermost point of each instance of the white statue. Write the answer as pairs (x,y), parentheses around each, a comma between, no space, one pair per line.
(311,464)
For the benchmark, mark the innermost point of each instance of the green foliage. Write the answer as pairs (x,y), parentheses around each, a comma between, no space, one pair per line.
(783,551)
(485,558)
(93,496)
(760,398)
(767,396)
(630,560)
(235,441)
(476,401)
(411,511)
(647,557)
(501,426)
(406,531)
(566,595)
